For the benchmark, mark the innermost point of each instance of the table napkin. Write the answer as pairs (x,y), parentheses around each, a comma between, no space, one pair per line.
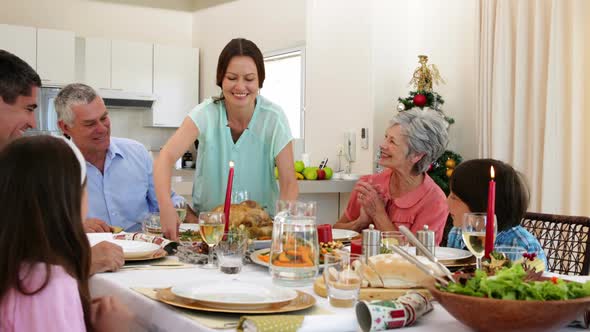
(161,264)
(299,323)
(270,323)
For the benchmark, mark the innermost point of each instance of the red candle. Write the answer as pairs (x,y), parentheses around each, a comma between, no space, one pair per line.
(489,245)
(226,206)
(325,233)
(356,246)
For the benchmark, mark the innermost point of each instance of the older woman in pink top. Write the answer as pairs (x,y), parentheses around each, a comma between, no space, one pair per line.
(403,194)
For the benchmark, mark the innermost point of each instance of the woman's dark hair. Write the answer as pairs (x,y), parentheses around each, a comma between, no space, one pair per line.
(470,182)
(40,199)
(239,47)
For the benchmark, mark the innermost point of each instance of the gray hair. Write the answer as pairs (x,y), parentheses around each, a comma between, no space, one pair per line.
(72,95)
(427,133)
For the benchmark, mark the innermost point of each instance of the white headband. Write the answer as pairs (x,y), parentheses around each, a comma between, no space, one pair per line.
(80,157)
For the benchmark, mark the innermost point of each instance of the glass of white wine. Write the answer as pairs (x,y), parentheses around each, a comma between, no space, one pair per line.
(211,227)
(474,233)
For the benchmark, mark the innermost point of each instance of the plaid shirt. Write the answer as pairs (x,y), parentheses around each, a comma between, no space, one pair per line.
(516,236)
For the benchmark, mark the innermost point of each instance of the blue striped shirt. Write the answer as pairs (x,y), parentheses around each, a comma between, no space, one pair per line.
(516,236)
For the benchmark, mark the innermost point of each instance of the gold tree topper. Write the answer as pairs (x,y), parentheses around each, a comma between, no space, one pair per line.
(425,75)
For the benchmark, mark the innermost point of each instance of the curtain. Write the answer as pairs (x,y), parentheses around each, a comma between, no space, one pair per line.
(532,111)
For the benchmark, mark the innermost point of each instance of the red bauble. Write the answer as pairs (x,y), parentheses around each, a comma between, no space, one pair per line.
(420,100)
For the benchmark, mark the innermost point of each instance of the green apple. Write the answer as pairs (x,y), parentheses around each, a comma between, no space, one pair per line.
(276,172)
(310,173)
(329,172)
(299,166)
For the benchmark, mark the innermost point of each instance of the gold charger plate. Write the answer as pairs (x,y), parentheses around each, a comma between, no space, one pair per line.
(161,253)
(302,301)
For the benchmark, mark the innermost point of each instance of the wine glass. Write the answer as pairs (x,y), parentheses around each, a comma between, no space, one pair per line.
(394,238)
(211,227)
(474,233)
(180,207)
(239,195)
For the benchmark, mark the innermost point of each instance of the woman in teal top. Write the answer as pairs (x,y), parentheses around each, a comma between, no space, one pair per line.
(238,126)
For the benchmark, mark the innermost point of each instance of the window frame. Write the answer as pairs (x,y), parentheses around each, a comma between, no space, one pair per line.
(285,53)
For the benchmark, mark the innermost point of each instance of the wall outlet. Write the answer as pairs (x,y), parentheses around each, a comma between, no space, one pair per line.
(339,150)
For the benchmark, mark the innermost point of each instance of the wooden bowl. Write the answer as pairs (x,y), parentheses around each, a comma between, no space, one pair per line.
(485,314)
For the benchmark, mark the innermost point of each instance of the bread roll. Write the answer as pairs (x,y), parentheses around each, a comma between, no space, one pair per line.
(396,272)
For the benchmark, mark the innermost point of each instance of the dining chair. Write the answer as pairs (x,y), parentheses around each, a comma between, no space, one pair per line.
(565,239)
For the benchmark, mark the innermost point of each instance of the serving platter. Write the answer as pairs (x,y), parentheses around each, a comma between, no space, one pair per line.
(302,301)
(371,293)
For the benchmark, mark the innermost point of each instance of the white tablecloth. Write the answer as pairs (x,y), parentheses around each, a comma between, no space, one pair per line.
(155,316)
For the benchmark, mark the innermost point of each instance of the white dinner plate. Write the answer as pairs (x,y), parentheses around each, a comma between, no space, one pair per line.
(234,294)
(446,254)
(343,234)
(136,249)
(188,227)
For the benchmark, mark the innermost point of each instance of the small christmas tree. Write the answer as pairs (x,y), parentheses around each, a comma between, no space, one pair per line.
(441,169)
(425,97)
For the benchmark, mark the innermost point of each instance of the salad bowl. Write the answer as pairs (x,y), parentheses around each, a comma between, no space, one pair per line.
(491,314)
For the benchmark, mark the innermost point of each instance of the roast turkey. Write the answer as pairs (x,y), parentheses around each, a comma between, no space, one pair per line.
(250,214)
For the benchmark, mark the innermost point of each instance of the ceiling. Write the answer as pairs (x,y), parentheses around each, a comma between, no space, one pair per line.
(180,5)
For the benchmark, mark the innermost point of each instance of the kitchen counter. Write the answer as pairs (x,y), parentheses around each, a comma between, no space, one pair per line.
(331,195)
(182,184)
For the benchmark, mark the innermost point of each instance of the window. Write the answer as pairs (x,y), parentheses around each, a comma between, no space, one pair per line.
(285,83)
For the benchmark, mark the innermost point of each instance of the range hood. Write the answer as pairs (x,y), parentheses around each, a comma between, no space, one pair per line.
(126,99)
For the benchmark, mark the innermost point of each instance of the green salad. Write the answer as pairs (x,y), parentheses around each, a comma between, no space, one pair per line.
(510,284)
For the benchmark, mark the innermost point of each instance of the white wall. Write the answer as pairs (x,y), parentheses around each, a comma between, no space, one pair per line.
(339,94)
(90,18)
(271,24)
(445,31)
(361,56)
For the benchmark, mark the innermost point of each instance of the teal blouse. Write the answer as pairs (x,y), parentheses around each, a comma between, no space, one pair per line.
(253,154)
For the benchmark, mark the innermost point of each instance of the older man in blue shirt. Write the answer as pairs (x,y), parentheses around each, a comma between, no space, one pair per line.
(120,182)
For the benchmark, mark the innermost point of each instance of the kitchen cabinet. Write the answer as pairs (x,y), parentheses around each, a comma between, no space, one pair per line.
(131,66)
(20,41)
(55,56)
(176,85)
(93,62)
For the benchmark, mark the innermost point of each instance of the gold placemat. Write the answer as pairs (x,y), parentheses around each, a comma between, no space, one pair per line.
(159,264)
(220,320)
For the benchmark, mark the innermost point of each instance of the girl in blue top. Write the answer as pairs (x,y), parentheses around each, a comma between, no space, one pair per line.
(238,126)
(469,193)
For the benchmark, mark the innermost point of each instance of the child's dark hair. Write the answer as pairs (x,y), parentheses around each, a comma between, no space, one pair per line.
(470,181)
(40,199)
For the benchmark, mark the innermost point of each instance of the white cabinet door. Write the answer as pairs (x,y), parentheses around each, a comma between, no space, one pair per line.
(20,41)
(93,62)
(176,84)
(131,66)
(55,56)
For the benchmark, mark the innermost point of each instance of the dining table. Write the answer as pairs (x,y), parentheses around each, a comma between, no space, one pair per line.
(152,315)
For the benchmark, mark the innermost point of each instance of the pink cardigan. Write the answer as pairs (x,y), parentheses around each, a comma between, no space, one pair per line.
(56,308)
(425,205)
